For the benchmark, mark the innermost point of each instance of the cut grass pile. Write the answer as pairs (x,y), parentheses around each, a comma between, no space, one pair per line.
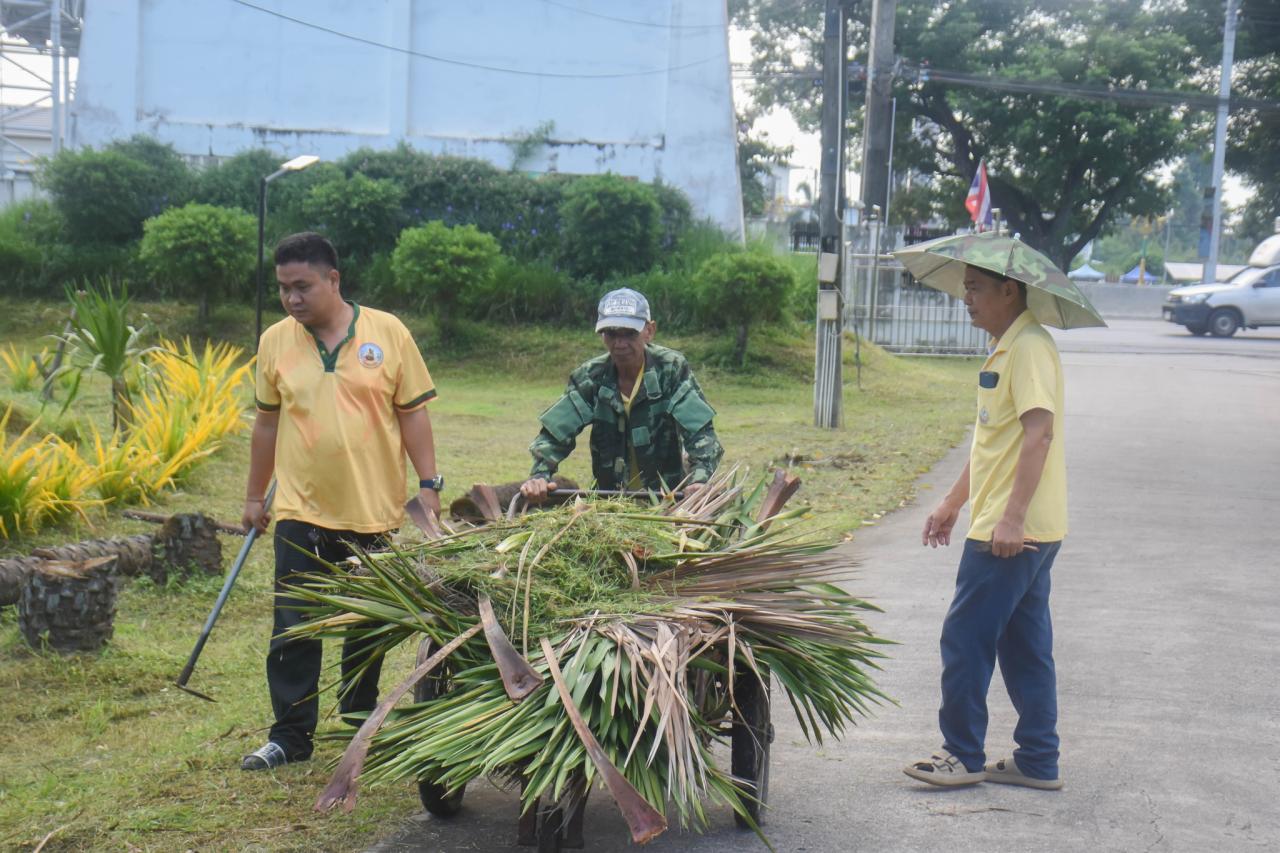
(107,755)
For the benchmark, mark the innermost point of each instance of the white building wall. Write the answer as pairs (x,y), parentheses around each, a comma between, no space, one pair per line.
(638,89)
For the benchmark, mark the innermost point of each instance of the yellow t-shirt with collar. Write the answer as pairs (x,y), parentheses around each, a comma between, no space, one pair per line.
(1029,376)
(340,460)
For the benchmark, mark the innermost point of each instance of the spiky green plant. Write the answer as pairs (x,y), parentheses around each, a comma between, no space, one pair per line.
(649,610)
(101,340)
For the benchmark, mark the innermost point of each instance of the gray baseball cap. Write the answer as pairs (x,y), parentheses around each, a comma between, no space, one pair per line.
(622,309)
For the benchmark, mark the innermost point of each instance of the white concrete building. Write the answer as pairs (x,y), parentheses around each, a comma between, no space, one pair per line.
(25,137)
(638,89)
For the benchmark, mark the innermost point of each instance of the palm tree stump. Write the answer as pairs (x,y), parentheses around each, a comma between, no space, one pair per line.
(187,544)
(70,607)
(133,554)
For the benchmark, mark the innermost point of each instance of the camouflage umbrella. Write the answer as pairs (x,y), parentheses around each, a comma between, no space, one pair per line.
(1053,298)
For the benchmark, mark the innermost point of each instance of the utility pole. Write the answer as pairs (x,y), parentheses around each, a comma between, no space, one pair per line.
(1220,140)
(55,88)
(877,132)
(827,379)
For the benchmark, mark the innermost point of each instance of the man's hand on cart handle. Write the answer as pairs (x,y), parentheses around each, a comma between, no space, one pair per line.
(536,489)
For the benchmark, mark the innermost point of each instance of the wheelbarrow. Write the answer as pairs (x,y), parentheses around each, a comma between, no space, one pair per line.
(744,715)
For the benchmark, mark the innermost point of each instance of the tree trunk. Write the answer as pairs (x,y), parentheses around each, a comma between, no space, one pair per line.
(51,374)
(133,558)
(70,607)
(121,415)
(740,346)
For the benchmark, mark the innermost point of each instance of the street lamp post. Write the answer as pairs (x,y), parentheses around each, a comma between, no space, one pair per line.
(297,164)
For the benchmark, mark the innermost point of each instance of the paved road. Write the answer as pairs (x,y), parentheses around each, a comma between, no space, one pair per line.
(1166,608)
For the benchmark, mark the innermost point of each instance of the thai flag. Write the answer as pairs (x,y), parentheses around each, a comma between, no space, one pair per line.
(978,201)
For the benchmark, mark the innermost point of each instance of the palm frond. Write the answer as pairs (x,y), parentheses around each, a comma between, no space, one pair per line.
(636,621)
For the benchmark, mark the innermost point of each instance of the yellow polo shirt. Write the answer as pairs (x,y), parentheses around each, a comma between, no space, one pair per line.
(1028,376)
(339,455)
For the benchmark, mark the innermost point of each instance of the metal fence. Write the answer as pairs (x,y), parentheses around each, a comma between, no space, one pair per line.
(886,306)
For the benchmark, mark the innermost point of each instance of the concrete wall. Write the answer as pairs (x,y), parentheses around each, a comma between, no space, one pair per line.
(639,89)
(1126,301)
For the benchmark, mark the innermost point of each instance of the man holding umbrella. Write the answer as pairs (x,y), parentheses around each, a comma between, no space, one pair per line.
(1016,483)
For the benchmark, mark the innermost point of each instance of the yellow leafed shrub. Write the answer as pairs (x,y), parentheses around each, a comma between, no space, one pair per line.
(22,501)
(172,431)
(126,472)
(187,404)
(211,380)
(20,368)
(67,479)
(41,481)
(191,404)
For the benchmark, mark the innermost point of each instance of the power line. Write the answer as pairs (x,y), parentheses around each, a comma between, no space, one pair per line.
(479,66)
(631,21)
(1135,97)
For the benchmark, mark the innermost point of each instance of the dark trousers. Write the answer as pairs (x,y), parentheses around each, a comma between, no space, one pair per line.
(1001,610)
(293,666)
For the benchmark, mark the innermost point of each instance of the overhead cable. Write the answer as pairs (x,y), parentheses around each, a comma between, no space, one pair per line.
(477,65)
(1115,94)
(631,21)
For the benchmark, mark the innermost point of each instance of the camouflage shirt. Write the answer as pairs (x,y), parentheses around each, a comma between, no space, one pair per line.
(668,414)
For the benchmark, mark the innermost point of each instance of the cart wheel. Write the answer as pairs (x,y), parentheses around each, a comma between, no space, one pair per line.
(752,734)
(435,797)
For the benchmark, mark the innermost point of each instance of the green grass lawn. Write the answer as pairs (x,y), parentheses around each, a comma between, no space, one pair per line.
(105,754)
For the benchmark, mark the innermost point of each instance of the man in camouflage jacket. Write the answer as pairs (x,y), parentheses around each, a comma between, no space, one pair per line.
(645,409)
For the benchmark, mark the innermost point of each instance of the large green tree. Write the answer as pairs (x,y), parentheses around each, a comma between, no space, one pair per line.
(1061,168)
(1253,140)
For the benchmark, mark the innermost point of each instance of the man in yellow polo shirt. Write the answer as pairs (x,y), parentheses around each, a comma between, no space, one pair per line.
(341,396)
(1017,483)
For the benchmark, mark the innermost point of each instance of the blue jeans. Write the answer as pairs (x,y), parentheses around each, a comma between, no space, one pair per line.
(1001,610)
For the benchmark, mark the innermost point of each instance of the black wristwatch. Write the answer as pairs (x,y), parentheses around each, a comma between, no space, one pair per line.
(436,483)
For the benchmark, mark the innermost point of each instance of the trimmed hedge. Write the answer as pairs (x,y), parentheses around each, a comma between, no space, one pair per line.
(744,289)
(200,251)
(560,239)
(436,266)
(611,226)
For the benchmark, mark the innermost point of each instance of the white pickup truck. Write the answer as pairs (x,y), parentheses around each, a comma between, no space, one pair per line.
(1247,300)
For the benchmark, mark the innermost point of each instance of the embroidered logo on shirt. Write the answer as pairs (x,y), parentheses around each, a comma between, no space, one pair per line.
(370,355)
(983,415)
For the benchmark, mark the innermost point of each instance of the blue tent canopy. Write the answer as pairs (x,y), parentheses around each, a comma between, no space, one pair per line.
(1131,277)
